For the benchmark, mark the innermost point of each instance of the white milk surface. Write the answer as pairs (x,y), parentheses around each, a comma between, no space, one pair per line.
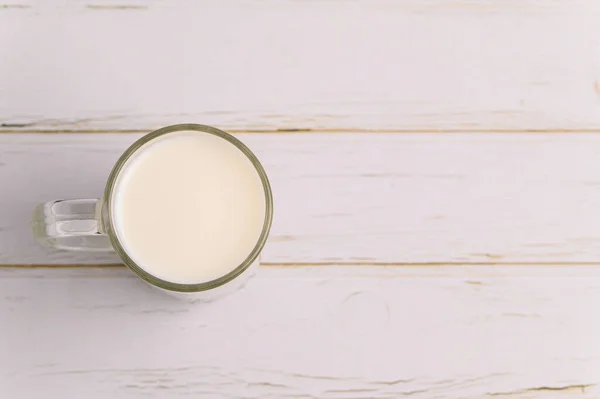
(188,207)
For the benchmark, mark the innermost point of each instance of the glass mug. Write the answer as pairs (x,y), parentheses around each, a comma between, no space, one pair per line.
(91,224)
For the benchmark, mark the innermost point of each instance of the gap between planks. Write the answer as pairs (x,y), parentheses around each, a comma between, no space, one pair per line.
(11,130)
(456,265)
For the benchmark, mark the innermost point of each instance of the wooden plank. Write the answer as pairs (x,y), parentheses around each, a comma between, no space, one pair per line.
(323,332)
(358,198)
(409,65)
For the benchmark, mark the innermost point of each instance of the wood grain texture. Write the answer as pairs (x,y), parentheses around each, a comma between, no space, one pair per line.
(359,323)
(326,332)
(409,65)
(358,198)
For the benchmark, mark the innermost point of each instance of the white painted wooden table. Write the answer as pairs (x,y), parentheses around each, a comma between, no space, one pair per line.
(436,172)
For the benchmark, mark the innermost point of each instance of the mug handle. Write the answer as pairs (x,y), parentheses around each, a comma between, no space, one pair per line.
(73,225)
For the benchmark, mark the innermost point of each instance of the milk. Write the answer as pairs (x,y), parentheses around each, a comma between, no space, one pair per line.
(188,207)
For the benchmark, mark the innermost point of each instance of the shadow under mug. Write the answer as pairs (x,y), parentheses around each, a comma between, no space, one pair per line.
(88,225)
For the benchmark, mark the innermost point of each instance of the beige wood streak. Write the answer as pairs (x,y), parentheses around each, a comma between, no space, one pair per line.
(409,65)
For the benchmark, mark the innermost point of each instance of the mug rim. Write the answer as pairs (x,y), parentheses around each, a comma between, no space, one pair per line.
(107,211)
